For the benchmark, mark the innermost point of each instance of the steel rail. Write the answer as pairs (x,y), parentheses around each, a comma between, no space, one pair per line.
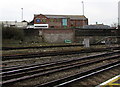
(52,46)
(67,80)
(43,54)
(29,67)
(85,76)
(19,74)
(37,47)
(49,72)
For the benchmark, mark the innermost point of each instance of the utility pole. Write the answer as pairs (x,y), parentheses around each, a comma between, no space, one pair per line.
(83,7)
(83,11)
(22,14)
(118,23)
(86,41)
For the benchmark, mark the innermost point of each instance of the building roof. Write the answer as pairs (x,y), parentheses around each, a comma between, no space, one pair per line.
(77,17)
(55,16)
(98,26)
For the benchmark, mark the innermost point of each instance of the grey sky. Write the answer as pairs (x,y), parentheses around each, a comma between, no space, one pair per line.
(101,11)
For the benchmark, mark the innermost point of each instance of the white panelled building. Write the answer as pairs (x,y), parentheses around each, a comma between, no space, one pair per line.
(22,24)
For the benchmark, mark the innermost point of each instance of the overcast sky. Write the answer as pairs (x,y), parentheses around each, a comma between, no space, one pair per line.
(101,11)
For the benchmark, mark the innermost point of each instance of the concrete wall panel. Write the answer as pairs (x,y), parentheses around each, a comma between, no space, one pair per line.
(58,35)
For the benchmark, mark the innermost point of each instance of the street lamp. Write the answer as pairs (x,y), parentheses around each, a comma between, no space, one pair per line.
(83,12)
(22,14)
(83,7)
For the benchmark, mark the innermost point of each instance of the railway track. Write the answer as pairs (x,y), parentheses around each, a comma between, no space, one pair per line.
(71,80)
(38,47)
(55,53)
(18,67)
(17,74)
(96,78)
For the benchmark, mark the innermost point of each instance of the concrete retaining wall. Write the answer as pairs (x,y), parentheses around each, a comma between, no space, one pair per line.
(58,35)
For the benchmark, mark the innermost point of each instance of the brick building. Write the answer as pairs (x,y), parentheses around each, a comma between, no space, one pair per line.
(59,21)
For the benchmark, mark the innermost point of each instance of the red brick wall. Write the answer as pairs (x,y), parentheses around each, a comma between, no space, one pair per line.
(58,24)
(78,23)
(58,35)
(42,17)
(58,31)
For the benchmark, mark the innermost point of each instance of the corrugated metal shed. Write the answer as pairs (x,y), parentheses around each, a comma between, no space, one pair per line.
(97,26)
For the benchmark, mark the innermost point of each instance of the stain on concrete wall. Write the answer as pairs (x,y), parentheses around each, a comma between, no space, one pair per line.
(58,35)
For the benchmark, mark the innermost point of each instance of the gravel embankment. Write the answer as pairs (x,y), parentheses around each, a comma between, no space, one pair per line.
(95,80)
(9,63)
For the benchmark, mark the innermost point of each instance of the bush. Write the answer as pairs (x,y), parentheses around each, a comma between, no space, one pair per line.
(12,33)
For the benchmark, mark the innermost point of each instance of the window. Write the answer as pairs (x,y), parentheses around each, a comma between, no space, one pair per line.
(78,23)
(52,26)
(38,20)
(44,20)
(64,22)
(51,20)
(58,20)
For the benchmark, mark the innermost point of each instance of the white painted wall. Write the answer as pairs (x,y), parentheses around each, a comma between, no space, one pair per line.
(14,23)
